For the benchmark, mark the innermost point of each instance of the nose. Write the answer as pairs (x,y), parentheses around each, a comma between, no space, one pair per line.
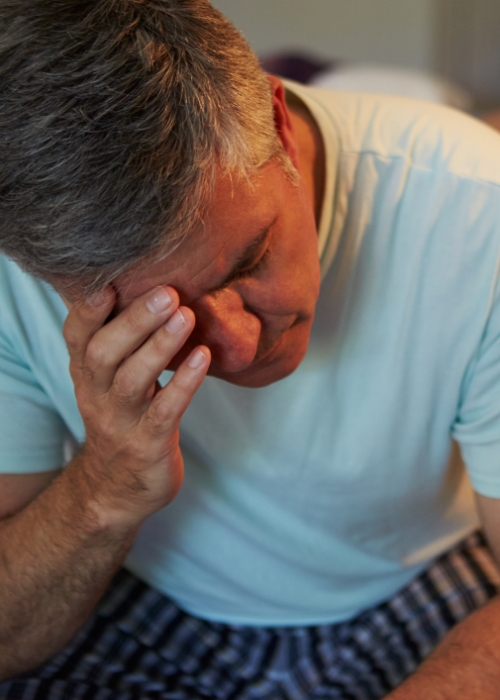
(229,329)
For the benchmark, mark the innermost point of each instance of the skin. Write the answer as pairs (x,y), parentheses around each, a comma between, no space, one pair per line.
(63,535)
(257,326)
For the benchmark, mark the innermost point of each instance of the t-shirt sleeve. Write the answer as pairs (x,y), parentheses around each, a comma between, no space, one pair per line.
(477,427)
(32,434)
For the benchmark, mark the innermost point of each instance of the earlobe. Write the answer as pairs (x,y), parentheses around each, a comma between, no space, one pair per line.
(282,119)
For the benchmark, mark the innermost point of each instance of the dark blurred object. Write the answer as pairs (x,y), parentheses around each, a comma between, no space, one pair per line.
(492,118)
(295,66)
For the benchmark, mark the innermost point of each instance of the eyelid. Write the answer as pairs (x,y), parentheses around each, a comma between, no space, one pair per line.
(254,267)
(242,274)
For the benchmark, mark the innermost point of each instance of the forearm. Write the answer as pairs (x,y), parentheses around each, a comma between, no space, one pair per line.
(57,558)
(465,665)
(58,555)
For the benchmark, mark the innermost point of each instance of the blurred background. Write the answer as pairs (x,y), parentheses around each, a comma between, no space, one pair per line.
(442,50)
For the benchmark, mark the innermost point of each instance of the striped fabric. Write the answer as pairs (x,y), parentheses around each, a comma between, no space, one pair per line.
(139,645)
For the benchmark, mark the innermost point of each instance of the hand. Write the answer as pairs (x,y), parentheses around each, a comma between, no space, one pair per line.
(131,463)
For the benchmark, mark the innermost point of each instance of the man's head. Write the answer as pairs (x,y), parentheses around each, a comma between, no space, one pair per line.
(143,145)
(250,275)
(114,116)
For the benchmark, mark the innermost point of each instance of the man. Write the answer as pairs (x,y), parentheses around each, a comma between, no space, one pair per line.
(167,202)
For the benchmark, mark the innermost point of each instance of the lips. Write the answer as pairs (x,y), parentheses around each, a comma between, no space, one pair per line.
(266,356)
(270,354)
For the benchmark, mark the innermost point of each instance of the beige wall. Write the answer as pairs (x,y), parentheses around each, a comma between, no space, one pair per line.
(398,32)
(470,46)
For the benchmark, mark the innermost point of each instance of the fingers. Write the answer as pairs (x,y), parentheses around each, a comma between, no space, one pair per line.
(165,412)
(135,377)
(120,361)
(122,336)
(98,354)
(131,422)
(84,320)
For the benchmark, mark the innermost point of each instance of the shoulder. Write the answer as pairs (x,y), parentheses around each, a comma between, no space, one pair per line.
(16,284)
(426,135)
(28,306)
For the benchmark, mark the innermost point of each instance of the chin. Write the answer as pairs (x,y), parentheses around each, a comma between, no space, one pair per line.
(255,380)
(274,370)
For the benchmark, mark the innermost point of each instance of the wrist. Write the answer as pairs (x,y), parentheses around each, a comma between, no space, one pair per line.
(99,513)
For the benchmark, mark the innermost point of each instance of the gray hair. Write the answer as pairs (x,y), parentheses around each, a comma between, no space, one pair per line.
(114,115)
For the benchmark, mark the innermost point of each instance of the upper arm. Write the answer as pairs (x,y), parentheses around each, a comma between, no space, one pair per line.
(489,514)
(17,490)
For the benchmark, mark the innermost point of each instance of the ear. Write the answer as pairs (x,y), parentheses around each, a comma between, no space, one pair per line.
(282,119)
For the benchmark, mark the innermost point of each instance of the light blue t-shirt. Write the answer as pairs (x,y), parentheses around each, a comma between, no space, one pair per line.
(309,500)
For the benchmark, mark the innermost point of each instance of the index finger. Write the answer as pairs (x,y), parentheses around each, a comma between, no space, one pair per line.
(85,318)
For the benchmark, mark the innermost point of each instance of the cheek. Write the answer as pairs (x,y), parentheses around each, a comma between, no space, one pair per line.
(298,275)
(290,294)
(298,286)
(290,283)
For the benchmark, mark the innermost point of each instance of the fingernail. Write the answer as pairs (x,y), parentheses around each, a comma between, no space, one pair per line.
(159,301)
(97,299)
(175,323)
(197,359)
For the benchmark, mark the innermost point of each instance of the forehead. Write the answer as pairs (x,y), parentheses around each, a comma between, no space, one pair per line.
(240,210)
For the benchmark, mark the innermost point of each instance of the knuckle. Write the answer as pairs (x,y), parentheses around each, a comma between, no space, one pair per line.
(71,336)
(88,374)
(105,428)
(96,353)
(159,418)
(124,386)
(138,451)
(159,342)
(159,348)
(120,398)
(184,385)
(136,320)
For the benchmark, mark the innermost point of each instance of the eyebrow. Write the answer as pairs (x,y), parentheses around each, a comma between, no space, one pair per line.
(247,257)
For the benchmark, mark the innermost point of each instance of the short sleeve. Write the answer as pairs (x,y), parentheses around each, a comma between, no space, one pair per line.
(32,434)
(477,427)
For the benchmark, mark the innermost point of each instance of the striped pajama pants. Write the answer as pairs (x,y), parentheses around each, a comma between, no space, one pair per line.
(138,645)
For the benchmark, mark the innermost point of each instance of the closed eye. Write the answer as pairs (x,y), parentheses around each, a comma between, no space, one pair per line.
(242,274)
(249,272)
